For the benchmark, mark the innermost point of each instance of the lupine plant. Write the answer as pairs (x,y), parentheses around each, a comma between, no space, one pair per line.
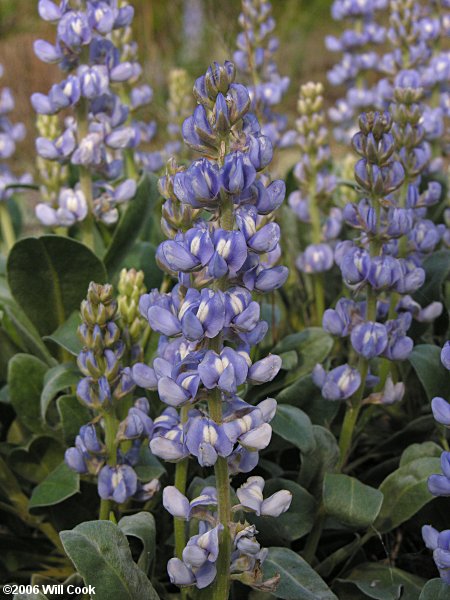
(10,134)
(182,415)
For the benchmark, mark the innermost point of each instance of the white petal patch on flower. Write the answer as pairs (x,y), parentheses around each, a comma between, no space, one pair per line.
(202,312)
(224,247)
(236,303)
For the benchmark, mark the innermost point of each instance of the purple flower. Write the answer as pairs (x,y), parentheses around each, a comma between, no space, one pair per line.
(250,495)
(369,339)
(441,410)
(117,483)
(206,440)
(317,258)
(339,383)
(445,355)
(237,174)
(199,185)
(226,370)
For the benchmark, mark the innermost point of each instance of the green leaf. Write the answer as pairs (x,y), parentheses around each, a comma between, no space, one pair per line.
(426,362)
(100,553)
(38,459)
(73,415)
(56,380)
(148,466)
(61,484)
(66,335)
(291,525)
(405,492)
(435,589)
(298,580)
(142,526)
(312,346)
(437,269)
(49,277)
(383,582)
(26,379)
(305,394)
(289,360)
(350,501)
(28,333)
(293,425)
(323,459)
(142,258)
(131,223)
(416,451)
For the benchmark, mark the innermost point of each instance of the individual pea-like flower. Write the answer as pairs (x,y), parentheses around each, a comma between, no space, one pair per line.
(439,543)
(441,410)
(117,483)
(72,207)
(250,495)
(339,383)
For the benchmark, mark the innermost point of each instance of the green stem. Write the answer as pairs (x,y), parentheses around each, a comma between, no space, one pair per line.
(351,416)
(8,235)
(319,297)
(85,177)
(313,540)
(179,525)
(316,236)
(221,586)
(111,449)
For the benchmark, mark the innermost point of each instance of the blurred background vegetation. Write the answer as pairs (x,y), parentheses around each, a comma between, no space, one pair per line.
(170,33)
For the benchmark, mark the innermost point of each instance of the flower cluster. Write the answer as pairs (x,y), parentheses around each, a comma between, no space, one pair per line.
(99,135)
(439,485)
(103,389)
(315,187)
(132,325)
(377,326)
(224,244)
(10,134)
(198,563)
(255,58)
(359,46)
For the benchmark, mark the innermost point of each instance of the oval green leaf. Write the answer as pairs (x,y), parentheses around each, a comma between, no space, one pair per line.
(56,380)
(101,554)
(142,526)
(435,589)
(26,379)
(382,582)
(298,580)
(61,484)
(49,277)
(426,362)
(294,426)
(350,501)
(405,492)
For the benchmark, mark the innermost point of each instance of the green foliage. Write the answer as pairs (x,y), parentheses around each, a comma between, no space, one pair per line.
(49,276)
(350,501)
(298,580)
(131,224)
(293,425)
(100,552)
(58,486)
